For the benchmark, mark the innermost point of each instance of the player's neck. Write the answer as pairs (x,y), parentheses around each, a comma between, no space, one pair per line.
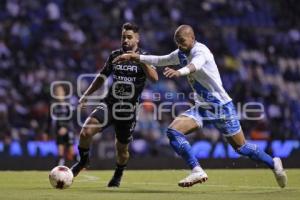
(134,49)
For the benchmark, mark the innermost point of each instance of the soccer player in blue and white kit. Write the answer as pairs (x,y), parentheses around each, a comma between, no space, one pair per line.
(212,104)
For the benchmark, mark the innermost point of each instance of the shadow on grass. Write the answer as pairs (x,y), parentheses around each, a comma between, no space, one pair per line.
(201,191)
(125,190)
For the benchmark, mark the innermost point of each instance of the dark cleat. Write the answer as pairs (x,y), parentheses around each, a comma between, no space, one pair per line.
(77,167)
(116,179)
(114,182)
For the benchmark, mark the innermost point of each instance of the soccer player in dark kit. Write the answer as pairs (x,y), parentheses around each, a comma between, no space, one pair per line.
(119,106)
(60,123)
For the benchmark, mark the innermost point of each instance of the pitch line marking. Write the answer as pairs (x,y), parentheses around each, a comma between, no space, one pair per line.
(88,178)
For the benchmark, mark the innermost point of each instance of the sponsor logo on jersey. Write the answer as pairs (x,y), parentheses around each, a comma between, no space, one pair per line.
(132,68)
(124,78)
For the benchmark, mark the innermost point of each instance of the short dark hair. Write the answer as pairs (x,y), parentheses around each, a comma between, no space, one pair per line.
(130,26)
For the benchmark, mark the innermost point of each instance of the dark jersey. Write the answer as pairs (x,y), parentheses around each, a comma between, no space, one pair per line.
(61,116)
(128,80)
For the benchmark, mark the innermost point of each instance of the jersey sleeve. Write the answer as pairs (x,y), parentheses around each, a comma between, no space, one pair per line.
(146,53)
(165,60)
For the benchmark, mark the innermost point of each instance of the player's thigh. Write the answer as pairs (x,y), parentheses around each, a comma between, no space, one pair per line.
(103,115)
(184,124)
(229,125)
(98,120)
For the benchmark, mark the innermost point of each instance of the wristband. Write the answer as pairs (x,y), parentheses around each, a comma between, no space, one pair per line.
(184,71)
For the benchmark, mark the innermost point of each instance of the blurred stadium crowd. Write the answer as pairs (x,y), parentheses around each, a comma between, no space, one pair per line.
(256,44)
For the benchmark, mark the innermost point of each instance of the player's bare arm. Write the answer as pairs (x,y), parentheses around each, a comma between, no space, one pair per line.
(96,84)
(148,69)
(127,57)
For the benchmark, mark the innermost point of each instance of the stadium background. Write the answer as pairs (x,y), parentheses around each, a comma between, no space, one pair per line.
(256,45)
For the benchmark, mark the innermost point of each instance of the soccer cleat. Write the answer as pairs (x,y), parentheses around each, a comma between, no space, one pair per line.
(116,179)
(279,173)
(77,167)
(114,182)
(193,178)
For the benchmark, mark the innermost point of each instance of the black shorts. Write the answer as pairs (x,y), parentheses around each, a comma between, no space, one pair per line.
(67,139)
(124,123)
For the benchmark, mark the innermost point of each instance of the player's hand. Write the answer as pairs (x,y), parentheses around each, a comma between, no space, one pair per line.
(170,73)
(126,57)
(62,131)
(82,102)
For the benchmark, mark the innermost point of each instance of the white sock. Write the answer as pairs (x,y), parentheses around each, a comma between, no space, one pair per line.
(197,169)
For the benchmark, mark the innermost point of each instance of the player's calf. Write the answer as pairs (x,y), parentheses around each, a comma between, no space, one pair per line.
(255,153)
(182,147)
(122,159)
(122,153)
(86,136)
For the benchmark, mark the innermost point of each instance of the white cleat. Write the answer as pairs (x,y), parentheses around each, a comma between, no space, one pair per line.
(279,173)
(193,178)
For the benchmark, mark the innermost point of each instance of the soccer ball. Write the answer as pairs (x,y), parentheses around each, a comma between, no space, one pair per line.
(61,177)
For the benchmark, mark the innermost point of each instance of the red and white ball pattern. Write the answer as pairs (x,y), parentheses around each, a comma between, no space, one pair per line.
(61,177)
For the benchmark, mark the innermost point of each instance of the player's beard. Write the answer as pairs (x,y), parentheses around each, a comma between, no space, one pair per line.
(127,48)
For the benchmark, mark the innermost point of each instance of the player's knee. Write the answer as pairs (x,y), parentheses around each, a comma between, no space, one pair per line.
(173,134)
(184,125)
(90,128)
(122,156)
(122,150)
(86,133)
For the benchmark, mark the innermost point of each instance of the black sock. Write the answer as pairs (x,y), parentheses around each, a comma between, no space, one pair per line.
(119,170)
(121,166)
(84,154)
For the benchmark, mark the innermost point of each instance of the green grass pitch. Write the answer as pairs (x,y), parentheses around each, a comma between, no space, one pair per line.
(152,184)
